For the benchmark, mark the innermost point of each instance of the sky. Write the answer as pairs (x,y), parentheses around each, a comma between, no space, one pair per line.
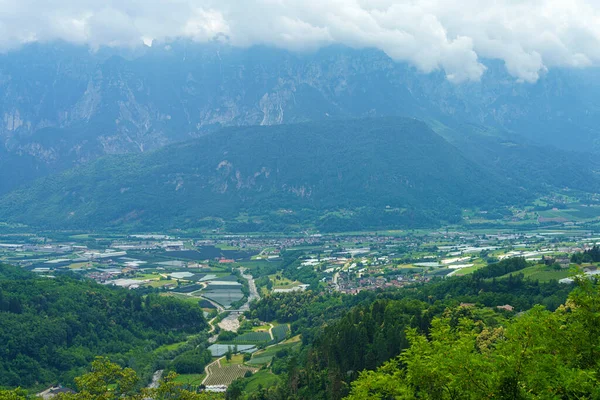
(454,36)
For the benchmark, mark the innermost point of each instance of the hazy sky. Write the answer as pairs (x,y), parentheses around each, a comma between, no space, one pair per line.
(529,36)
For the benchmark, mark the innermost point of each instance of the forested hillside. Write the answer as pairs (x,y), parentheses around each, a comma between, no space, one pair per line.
(337,175)
(65,105)
(53,328)
(372,328)
(542,354)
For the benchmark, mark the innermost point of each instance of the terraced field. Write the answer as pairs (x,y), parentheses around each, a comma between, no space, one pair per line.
(218,374)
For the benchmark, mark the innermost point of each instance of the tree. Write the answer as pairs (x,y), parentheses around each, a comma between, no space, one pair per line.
(14,306)
(228,354)
(541,354)
(235,390)
(108,381)
(16,394)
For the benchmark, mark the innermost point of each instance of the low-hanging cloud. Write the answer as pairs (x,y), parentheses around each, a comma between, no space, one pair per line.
(529,36)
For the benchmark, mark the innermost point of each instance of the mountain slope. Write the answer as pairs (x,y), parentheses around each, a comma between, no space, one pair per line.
(52,329)
(399,170)
(63,105)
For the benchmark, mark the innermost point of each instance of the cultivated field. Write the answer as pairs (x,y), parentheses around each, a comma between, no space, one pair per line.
(218,374)
(280,332)
(253,337)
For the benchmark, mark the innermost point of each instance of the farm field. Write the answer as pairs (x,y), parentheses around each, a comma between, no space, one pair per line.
(159,283)
(223,295)
(261,328)
(81,265)
(265,356)
(169,347)
(280,332)
(543,273)
(283,283)
(219,350)
(253,337)
(263,379)
(221,374)
(189,299)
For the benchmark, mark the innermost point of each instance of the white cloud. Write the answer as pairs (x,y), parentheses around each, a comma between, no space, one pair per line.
(529,36)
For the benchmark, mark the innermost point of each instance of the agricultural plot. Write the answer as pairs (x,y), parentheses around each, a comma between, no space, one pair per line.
(224,375)
(253,337)
(219,350)
(187,289)
(265,356)
(224,294)
(262,379)
(182,297)
(280,332)
(543,273)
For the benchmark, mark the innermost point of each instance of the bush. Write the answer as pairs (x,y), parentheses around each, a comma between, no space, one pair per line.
(192,362)
(227,336)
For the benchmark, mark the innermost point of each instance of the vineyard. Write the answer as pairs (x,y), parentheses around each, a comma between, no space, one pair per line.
(280,332)
(224,375)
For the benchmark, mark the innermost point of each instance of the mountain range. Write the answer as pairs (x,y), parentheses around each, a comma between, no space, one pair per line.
(365,172)
(64,105)
(185,134)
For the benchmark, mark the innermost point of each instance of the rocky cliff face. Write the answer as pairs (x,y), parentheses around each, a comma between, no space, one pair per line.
(62,105)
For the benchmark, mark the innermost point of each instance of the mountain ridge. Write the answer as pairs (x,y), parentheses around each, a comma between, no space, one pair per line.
(64,105)
(395,165)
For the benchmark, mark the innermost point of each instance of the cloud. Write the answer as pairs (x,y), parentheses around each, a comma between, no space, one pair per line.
(529,36)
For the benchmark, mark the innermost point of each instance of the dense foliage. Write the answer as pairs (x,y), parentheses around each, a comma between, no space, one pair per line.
(109,381)
(192,361)
(336,175)
(540,355)
(501,268)
(588,256)
(348,334)
(52,329)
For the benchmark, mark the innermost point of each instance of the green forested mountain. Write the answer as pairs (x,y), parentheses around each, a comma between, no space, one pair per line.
(65,105)
(52,329)
(337,174)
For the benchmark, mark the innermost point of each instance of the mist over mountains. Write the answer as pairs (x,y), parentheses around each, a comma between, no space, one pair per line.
(64,106)
(367,173)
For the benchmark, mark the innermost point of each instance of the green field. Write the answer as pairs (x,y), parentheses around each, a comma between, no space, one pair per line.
(280,332)
(183,297)
(282,283)
(265,356)
(223,374)
(543,273)
(253,337)
(159,283)
(260,379)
